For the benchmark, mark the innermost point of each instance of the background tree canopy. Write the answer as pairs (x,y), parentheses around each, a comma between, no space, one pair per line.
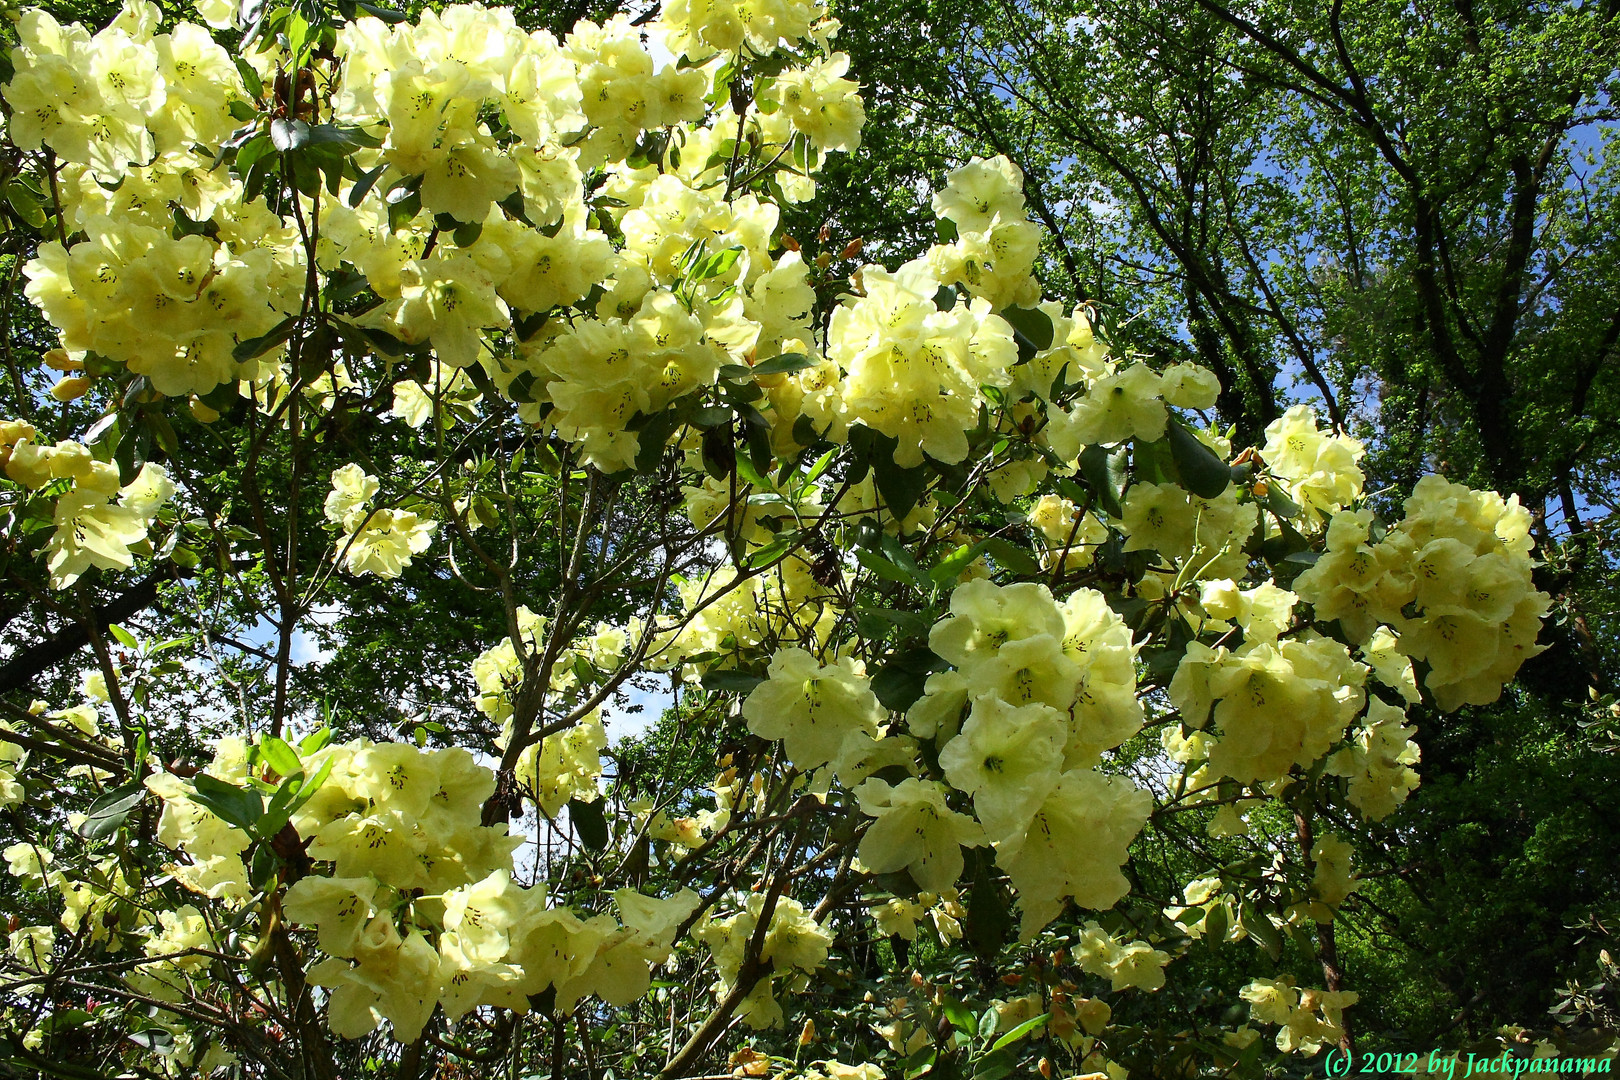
(1402,214)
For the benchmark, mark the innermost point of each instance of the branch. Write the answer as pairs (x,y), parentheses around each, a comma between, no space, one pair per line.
(36,659)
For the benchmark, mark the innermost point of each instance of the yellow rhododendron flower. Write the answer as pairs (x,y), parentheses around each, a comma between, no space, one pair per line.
(915,831)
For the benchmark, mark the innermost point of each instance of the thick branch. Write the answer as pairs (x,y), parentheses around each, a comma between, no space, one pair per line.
(36,659)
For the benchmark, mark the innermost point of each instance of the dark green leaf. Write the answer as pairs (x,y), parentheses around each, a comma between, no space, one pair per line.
(1010,557)
(387,15)
(1032,330)
(653,436)
(786,363)
(1215,925)
(252,151)
(241,807)
(711,416)
(258,346)
(900,487)
(1279,503)
(250,77)
(367,181)
(1202,472)
(989,919)
(995,1066)
(104,429)
(109,811)
(732,682)
(882,567)
(1105,473)
(900,682)
(1260,929)
(590,822)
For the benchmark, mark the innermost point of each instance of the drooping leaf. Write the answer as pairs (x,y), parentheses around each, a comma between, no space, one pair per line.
(1032,330)
(111,809)
(1105,473)
(1202,472)
(590,822)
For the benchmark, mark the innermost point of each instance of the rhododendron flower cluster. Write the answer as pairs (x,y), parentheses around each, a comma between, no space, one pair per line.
(937,600)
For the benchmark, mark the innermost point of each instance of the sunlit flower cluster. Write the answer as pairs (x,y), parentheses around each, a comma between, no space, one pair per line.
(1461,560)
(100,521)
(1310,1019)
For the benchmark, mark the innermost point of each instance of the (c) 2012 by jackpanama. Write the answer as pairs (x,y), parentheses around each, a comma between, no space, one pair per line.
(1344,1063)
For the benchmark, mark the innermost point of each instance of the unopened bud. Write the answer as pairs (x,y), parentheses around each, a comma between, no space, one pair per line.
(70,388)
(853,249)
(790,243)
(823,260)
(825,234)
(204,414)
(917,980)
(1046,1068)
(1261,488)
(808,1035)
(59,360)
(1012,978)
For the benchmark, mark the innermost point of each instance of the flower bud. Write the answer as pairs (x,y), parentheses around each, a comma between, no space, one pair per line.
(70,388)
(203,413)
